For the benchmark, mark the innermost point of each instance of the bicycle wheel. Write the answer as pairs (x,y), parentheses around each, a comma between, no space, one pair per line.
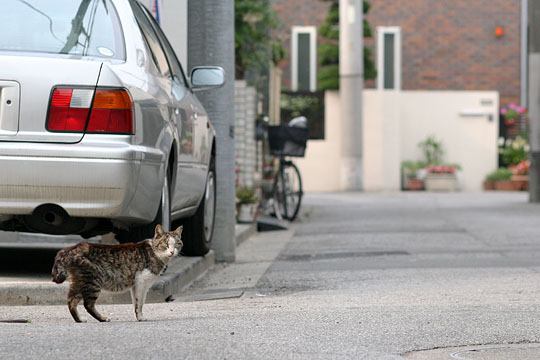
(288,190)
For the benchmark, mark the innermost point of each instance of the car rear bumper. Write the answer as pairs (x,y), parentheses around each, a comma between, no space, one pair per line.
(85,180)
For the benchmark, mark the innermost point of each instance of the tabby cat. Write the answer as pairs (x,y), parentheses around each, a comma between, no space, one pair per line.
(92,268)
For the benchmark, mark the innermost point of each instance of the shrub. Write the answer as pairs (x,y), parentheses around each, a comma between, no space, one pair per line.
(501,174)
(245,195)
(514,151)
(432,149)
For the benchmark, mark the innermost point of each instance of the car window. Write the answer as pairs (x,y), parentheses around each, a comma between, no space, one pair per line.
(152,40)
(75,27)
(174,63)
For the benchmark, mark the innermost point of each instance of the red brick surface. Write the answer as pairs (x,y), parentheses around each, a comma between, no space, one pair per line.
(446,44)
(296,13)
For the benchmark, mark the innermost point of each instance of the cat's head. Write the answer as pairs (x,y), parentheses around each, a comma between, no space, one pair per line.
(167,244)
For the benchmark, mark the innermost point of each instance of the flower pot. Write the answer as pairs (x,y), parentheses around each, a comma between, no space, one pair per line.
(441,182)
(414,185)
(489,185)
(509,122)
(507,185)
(246,213)
(521,182)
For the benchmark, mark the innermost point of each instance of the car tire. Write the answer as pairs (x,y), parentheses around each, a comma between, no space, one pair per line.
(163,217)
(199,229)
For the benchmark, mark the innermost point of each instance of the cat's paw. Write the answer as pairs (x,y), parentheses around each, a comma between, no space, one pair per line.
(140,318)
(105,320)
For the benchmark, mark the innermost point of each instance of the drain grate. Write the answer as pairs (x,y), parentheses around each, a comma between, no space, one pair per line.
(341,255)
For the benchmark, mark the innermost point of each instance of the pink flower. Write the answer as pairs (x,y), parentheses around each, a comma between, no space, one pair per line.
(441,169)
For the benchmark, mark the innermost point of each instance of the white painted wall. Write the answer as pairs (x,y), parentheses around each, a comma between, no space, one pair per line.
(321,167)
(394,124)
(174,22)
(470,141)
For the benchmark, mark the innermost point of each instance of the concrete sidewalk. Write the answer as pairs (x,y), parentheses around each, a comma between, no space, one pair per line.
(37,289)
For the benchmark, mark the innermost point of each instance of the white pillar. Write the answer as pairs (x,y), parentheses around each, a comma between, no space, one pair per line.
(351,70)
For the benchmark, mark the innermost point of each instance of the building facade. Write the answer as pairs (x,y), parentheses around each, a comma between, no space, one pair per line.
(436,45)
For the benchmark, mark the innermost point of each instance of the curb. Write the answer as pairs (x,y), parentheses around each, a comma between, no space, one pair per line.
(180,273)
(244,232)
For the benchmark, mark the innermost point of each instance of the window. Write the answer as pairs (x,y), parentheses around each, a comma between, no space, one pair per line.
(304,58)
(75,27)
(389,58)
(152,40)
(176,67)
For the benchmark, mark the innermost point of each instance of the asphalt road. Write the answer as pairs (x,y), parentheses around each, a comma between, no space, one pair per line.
(361,276)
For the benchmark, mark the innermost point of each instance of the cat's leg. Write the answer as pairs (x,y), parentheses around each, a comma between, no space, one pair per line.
(90,296)
(138,291)
(134,301)
(74,297)
(143,283)
(142,299)
(73,301)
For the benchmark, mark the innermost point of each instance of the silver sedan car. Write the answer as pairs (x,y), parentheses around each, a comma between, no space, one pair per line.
(100,130)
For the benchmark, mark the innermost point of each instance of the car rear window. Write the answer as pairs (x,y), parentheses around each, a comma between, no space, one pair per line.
(76,27)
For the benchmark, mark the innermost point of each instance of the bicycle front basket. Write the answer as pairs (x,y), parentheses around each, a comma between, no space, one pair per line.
(287,140)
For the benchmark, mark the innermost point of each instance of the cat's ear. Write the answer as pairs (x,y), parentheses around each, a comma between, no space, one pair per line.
(159,231)
(178,231)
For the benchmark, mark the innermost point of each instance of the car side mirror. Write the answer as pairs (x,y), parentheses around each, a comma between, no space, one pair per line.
(207,77)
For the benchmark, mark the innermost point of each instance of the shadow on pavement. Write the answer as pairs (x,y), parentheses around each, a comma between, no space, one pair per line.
(26,260)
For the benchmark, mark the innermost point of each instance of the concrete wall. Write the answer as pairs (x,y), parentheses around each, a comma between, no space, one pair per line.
(321,167)
(245,107)
(469,140)
(394,124)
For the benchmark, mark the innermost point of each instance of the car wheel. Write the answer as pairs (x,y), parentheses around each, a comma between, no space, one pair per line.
(163,217)
(199,229)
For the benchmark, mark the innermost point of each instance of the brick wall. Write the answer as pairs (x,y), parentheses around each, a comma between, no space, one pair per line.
(446,44)
(296,13)
(451,45)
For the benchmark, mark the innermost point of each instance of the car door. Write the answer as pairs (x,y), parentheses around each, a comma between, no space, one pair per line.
(187,183)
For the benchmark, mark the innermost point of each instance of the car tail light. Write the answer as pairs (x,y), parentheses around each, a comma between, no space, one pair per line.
(69,109)
(111,112)
(102,111)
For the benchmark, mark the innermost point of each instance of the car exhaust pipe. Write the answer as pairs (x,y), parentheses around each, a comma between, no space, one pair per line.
(53,219)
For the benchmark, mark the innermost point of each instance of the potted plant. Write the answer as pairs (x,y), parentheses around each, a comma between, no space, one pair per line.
(520,175)
(432,150)
(503,179)
(489,183)
(511,114)
(442,178)
(514,151)
(246,204)
(439,176)
(411,179)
